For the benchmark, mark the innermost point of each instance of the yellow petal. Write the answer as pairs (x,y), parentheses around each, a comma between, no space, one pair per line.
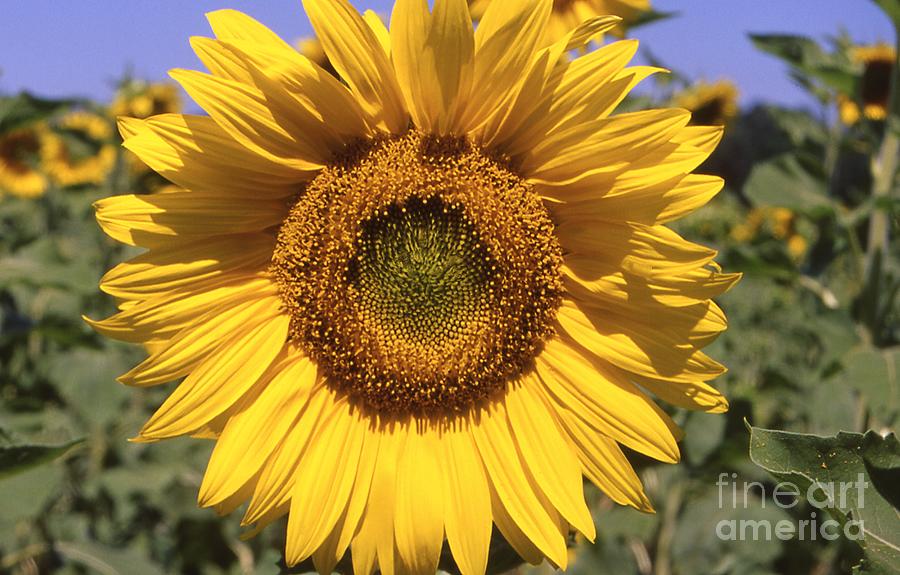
(195,153)
(323,482)
(547,454)
(506,41)
(296,78)
(522,122)
(510,480)
(236,499)
(433,55)
(622,288)
(244,113)
(150,220)
(574,93)
(419,513)
(467,512)
(644,350)
(652,205)
(512,533)
(601,146)
(675,159)
(612,405)
(233,25)
(181,265)
(356,54)
(219,381)
(298,113)
(192,345)
(379,29)
(643,250)
(272,495)
(331,552)
(220,61)
(603,462)
(590,87)
(695,395)
(159,318)
(376,532)
(252,434)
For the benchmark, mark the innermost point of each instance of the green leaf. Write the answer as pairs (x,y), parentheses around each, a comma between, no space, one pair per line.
(24,109)
(784,182)
(18,458)
(873,372)
(25,496)
(86,378)
(703,434)
(650,16)
(807,57)
(797,51)
(698,547)
(853,476)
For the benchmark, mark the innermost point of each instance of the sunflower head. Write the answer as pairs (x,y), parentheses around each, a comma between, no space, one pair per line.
(877,62)
(426,296)
(710,103)
(420,273)
(139,99)
(78,150)
(20,173)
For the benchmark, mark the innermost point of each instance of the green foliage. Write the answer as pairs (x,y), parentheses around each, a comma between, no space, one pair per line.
(16,459)
(784,182)
(813,67)
(840,470)
(25,108)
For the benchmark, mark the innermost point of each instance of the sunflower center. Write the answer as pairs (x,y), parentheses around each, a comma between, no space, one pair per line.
(711,113)
(876,82)
(18,150)
(420,273)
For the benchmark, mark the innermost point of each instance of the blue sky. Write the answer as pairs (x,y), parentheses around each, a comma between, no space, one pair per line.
(56,48)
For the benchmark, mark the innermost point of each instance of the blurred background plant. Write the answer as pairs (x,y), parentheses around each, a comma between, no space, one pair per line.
(807,215)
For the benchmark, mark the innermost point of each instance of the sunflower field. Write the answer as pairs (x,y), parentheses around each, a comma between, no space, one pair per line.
(446,291)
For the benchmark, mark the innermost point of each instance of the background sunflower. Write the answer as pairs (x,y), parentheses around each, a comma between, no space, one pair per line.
(78,150)
(20,171)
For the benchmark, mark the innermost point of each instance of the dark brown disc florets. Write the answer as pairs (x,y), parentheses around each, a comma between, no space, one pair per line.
(421,274)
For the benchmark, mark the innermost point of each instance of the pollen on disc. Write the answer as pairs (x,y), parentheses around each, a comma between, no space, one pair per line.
(421,274)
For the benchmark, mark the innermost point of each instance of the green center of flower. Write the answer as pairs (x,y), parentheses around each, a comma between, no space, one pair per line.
(421,274)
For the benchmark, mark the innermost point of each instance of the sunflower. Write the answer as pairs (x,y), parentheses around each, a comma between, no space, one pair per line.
(138,99)
(428,298)
(568,14)
(141,99)
(877,62)
(710,103)
(19,162)
(778,223)
(79,151)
